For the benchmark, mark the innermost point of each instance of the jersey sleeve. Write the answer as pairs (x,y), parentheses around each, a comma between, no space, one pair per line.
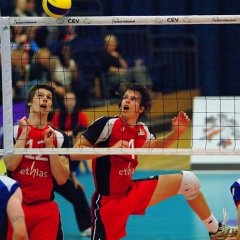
(62,140)
(7,186)
(96,129)
(150,136)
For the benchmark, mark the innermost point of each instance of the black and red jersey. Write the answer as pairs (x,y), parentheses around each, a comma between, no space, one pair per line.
(113,173)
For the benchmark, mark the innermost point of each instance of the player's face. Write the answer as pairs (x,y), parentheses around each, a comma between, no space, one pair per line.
(131,103)
(42,101)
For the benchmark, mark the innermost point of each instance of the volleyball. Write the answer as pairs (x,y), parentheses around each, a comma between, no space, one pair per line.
(56,8)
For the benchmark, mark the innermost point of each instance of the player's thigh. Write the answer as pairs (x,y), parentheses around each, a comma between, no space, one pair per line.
(48,224)
(167,186)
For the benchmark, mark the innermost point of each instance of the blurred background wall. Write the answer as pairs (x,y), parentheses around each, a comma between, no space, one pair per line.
(217,45)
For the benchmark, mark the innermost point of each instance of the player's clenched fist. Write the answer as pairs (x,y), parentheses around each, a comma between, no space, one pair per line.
(121,144)
(49,136)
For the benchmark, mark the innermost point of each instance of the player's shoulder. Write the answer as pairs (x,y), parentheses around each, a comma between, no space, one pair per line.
(59,132)
(142,124)
(62,138)
(236,184)
(105,119)
(56,129)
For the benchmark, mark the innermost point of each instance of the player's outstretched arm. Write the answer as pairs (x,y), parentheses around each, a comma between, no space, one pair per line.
(83,143)
(179,125)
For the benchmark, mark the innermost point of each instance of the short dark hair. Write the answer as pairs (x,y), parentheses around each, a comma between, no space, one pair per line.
(146,100)
(33,89)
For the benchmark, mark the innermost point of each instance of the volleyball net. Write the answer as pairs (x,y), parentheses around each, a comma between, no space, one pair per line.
(170,59)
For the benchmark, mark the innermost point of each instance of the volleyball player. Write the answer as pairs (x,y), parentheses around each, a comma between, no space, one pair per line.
(117,195)
(11,207)
(35,172)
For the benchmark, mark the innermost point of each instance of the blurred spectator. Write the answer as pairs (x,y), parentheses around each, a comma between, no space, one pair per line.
(66,70)
(16,64)
(31,8)
(116,68)
(42,71)
(24,75)
(66,73)
(40,33)
(69,34)
(27,8)
(13,43)
(17,36)
(28,42)
(20,9)
(69,115)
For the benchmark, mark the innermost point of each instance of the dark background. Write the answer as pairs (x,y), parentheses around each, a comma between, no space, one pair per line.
(218,45)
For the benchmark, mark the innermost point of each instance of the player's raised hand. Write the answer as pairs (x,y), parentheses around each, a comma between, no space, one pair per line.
(49,136)
(121,144)
(180,123)
(24,124)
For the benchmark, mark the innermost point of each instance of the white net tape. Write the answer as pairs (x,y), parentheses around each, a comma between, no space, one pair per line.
(124,20)
(128,151)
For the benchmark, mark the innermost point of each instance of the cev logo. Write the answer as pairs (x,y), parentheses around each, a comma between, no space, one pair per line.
(73,20)
(172,19)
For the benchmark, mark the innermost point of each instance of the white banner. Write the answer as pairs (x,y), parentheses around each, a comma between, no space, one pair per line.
(216,125)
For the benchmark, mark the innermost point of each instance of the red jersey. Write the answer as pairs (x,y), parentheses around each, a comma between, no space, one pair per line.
(113,173)
(34,173)
(82,120)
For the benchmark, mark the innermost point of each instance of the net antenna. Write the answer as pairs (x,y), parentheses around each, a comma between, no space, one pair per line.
(7,22)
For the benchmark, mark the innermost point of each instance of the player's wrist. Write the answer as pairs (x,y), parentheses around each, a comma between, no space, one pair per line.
(50,146)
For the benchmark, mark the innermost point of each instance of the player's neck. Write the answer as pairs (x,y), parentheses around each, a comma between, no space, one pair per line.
(38,120)
(131,122)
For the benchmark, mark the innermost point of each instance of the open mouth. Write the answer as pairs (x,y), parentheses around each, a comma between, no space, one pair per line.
(125,107)
(44,106)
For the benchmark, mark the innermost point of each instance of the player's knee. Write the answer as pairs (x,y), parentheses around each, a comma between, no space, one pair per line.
(190,185)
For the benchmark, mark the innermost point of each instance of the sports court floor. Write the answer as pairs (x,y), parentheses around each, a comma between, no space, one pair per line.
(171,219)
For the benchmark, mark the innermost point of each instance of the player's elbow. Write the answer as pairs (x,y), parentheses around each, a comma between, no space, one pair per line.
(74,157)
(10,167)
(21,234)
(61,181)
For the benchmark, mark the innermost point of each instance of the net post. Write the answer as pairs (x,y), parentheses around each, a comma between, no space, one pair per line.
(6,85)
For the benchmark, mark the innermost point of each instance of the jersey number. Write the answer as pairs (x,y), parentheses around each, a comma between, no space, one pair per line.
(131,145)
(36,157)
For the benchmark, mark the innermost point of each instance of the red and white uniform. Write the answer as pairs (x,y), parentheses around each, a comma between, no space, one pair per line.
(117,194)
(36,181)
